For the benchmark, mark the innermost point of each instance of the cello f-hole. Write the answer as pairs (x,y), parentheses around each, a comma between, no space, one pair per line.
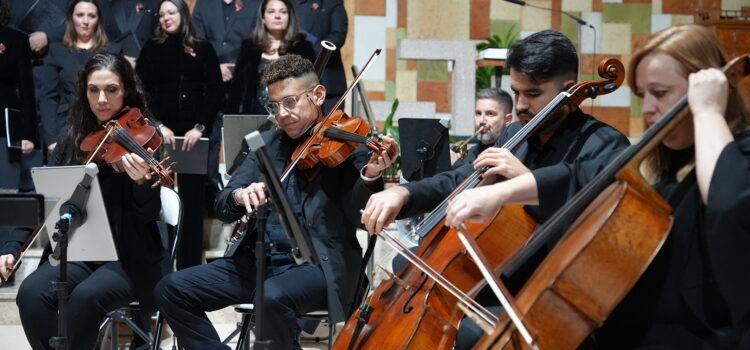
(407,305)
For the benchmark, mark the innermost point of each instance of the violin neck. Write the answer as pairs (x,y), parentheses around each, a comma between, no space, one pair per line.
(128,141)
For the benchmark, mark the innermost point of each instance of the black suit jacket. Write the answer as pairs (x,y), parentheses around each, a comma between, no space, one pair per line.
(16,82)
(242,94)
(59,74)
(330,208)
(326,20)
(133,32)
(226,37)
(46,16)
(183,88)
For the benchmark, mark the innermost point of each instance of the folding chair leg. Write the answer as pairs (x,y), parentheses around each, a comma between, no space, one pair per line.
(331,332)
(242,342)
(157,333)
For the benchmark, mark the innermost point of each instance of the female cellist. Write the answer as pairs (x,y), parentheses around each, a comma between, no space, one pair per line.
(106,85)
(694,294)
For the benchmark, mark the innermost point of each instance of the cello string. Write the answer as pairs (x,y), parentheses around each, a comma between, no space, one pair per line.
(500,291)
(475,178)
(434,275)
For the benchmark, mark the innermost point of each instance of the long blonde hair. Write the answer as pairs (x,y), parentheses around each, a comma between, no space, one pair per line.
(696,48)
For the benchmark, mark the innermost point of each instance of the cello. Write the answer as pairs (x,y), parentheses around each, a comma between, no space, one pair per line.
(419,308)
(622,225)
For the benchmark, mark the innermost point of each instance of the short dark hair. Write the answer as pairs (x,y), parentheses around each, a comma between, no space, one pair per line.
(496,94)
(187,30)
(544,55)
(289,66)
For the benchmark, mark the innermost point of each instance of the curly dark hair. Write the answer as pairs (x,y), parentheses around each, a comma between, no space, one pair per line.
(81,118)
(292,34)
(289,66)
(4,13)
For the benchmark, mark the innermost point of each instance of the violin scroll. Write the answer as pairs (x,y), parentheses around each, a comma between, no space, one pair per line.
(610,69)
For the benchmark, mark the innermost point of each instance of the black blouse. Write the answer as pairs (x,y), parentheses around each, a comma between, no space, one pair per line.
(183,83)
(696,292)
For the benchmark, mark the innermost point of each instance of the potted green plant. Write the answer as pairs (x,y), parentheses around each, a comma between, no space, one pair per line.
(392,173)
(484,74)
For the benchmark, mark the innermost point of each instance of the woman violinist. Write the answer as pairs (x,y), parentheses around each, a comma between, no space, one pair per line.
(106,86)
(694,295)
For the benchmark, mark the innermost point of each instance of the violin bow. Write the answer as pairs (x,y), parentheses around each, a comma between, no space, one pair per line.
(367,66)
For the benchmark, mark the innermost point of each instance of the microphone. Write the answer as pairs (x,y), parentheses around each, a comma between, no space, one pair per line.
(73,211)
(575,18)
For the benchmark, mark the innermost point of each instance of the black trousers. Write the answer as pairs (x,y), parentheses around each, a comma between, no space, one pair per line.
(95,290)
(192,193)
(185,295)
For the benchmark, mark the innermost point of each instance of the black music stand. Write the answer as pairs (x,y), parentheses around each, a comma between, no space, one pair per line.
(302,247)
(424,147)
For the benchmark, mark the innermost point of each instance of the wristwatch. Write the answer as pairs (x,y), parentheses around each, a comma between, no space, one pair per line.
(200,127)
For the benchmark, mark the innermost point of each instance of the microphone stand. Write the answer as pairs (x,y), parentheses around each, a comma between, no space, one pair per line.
(72,216)
(578,20)
(302,246)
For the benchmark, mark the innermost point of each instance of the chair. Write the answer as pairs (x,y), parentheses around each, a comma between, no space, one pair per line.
(171,214)
(244,326)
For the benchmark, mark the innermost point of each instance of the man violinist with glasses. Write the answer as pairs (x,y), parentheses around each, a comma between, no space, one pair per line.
(327,205)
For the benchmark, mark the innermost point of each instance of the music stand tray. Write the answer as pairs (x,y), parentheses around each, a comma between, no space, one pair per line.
(93,240)
(194,161)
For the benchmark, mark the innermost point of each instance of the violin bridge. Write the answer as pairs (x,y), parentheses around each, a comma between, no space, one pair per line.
(398,281)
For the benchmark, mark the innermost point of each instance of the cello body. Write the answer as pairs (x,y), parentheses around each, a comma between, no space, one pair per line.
(408,308)
(591,269)
(411,310)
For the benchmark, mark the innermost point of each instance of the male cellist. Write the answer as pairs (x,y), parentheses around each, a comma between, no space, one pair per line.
(541,66)
(328,206)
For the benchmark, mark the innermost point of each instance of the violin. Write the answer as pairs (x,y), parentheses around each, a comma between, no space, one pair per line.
(333,139)
(620,224)
(421,306)
(130,132)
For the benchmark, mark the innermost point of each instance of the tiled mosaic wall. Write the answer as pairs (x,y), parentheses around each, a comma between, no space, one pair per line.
(620,26)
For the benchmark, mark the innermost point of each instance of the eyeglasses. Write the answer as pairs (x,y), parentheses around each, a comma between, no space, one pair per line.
(288,102)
